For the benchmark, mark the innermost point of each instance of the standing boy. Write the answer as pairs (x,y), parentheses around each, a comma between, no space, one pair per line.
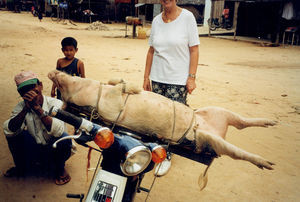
(69,64)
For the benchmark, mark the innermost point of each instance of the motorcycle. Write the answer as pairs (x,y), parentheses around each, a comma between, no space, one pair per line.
(214,23)
(126,158)
(127,155)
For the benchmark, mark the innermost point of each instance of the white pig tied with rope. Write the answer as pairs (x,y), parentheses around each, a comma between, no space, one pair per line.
(149,113)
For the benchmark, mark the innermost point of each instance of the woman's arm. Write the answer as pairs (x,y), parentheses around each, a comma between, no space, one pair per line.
(148,65)
(194,55)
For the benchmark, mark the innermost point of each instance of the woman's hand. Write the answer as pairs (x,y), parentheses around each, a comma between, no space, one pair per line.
(190,84)
(146,85)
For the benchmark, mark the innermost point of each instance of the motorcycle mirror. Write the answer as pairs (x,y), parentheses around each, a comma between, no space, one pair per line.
(65,138)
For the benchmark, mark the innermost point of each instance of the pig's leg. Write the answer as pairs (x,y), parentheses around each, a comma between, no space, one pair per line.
(111,103)
(127,87)
(222,147)
(240,122)
(220,118)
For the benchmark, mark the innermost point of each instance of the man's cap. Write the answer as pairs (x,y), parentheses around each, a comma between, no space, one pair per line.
(25,78)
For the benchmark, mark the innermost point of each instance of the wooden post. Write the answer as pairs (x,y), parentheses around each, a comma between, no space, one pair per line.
(211,15)
(115,12)
(235,17)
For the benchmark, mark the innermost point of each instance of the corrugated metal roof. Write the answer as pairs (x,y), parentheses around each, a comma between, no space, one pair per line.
(179,2)
(149,1)
(257,1)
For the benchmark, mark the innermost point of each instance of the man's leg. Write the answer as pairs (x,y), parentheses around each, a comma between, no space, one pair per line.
(16,147)
(60,155)
(20,146)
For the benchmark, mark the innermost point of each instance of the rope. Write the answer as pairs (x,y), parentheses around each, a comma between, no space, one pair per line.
(188,130)
(173,130)
(97,167)
(115,122)
(174,120)
(99,95)
(94,114)
(208,167)
(155,176)
(88,163)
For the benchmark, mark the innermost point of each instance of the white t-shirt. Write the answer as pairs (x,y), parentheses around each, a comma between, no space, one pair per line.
(288,11)
(171,42)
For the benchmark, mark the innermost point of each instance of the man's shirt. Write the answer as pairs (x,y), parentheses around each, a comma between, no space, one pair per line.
(34,124)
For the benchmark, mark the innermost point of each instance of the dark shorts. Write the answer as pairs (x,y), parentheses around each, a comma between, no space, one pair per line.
(174,92)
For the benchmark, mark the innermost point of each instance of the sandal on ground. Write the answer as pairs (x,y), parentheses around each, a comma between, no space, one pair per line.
(61,180)
(12,172)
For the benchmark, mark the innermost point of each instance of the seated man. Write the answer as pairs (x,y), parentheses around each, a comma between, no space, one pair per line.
(30,132)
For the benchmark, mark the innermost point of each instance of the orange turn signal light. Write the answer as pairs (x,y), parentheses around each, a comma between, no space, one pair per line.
(104,138)
(159,154)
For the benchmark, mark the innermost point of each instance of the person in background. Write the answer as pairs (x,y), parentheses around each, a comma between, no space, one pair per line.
(225,13)
(172,58)
(40,13)
(30,132)
(69,64)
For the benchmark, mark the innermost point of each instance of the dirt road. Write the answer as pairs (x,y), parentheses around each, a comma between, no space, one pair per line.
(243,77)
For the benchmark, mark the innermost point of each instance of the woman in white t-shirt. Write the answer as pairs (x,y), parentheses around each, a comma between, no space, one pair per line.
(172,58)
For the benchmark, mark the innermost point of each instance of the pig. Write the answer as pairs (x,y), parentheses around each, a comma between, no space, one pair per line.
(150,113)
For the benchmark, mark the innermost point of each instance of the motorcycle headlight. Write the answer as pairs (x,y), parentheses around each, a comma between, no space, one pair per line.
(137,159)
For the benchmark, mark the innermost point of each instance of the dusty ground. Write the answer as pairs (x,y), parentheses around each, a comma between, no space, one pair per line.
(246,78)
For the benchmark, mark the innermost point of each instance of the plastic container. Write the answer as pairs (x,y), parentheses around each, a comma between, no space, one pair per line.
(141,33)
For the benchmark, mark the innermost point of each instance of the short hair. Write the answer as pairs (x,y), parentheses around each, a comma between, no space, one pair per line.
(69,41)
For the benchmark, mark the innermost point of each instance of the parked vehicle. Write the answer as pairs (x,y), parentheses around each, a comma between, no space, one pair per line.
(126,158)
(61,13)
(215,24)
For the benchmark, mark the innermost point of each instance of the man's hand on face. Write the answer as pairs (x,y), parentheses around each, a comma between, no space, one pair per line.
(31,99)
